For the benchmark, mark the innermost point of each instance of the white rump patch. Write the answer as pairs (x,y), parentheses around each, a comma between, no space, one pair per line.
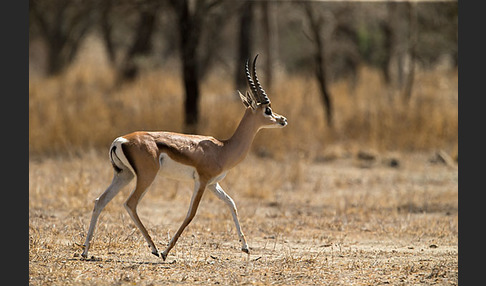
(119,153)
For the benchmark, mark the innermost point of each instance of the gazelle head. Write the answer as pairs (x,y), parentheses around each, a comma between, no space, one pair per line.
(258,102)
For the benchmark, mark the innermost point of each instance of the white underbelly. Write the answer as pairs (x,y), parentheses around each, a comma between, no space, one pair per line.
(175,170)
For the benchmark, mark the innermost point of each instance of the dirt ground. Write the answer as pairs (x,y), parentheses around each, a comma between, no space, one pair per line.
(345,220)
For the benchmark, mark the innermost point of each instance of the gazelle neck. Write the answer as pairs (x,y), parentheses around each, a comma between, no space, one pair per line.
(236,148)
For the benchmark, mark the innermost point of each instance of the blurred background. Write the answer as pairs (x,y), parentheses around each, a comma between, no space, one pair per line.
(348,76)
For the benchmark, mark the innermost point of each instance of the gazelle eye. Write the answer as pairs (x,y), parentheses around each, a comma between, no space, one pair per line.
(268,111)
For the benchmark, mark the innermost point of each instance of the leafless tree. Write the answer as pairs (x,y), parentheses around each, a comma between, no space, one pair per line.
(412,50)
(270,42)
(244,42)
(190,17)
(62,25)
(316,22)
(146,13)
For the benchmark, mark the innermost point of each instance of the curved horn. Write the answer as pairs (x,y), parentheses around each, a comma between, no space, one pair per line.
(263,98)
(251,84)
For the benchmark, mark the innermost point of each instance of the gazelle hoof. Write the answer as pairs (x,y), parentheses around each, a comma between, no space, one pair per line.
(164,255)
(246,250)
(156,253)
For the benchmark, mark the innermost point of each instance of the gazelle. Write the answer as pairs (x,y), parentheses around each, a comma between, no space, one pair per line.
(202,159)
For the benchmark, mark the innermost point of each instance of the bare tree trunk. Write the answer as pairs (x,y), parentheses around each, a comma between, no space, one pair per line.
(106,30)
(316,23)
(190,21)
(390,30)
(142,39)
(270,39)
(397,49)
(244,44)
(190,18)
(189,37)
(388,45)
(412,43)
(212,38)
(142,43)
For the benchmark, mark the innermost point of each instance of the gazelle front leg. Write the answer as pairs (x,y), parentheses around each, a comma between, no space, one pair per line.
(220,193)
(199,188)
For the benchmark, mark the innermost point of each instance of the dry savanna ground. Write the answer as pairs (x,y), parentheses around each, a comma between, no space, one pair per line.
(372,201)
(344,221)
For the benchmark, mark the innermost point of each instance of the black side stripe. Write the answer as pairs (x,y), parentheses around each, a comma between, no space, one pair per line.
(129,159)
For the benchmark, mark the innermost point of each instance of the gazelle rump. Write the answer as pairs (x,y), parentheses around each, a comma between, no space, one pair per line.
(202,159)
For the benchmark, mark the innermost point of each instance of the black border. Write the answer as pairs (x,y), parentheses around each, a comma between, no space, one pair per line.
(15,142)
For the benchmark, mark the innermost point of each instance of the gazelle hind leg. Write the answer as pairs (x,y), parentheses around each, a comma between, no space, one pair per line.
(143,182)
(120,180)
(221,194)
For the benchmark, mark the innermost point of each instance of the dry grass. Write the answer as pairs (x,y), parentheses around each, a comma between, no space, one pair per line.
(306,223)
(83,108)
(312,211)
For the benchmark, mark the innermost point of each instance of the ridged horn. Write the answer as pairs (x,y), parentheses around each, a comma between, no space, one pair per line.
(262,96)
(251,84)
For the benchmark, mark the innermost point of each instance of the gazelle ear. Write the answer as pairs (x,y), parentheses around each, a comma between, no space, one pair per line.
(247,100)
(243,99)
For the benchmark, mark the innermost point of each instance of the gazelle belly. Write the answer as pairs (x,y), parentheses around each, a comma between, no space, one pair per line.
(175,170)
